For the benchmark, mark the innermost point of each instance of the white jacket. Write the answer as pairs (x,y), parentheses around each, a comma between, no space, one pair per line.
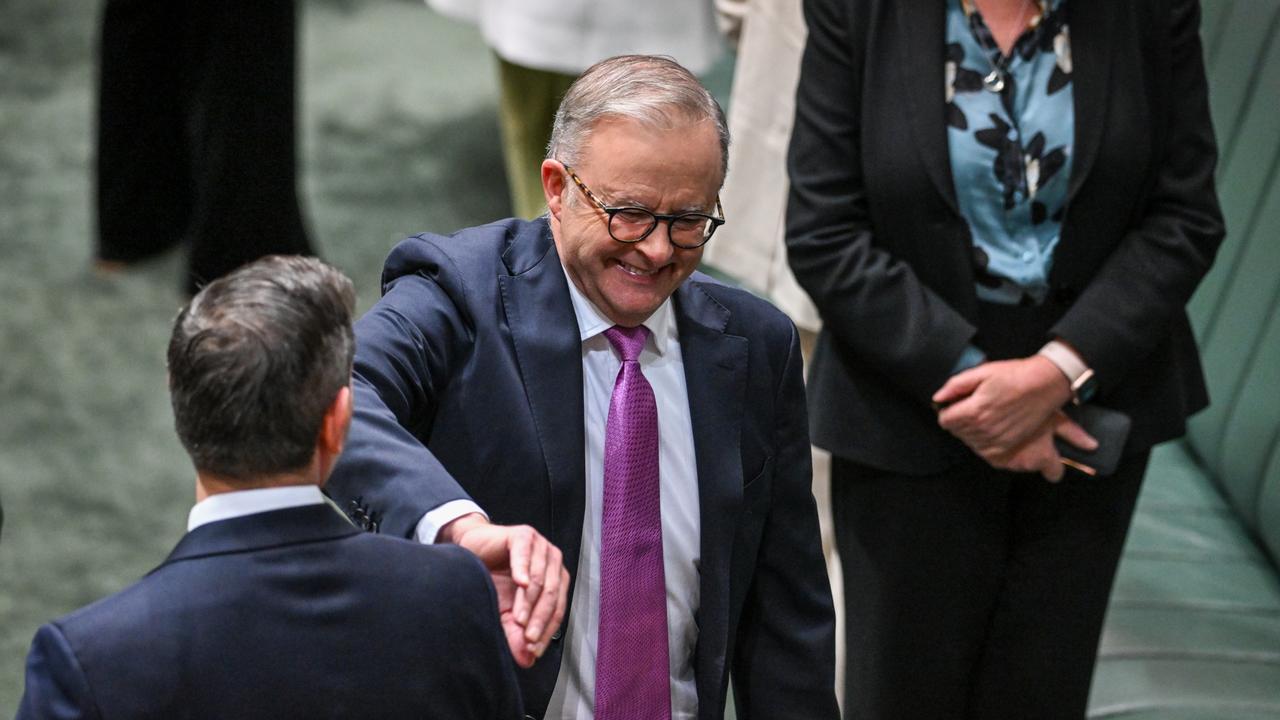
(750,245)
(568,36)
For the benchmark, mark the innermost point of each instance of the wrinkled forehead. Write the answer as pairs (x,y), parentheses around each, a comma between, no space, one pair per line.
(674,142)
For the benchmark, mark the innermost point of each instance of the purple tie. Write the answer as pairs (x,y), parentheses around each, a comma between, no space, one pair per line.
(633,678)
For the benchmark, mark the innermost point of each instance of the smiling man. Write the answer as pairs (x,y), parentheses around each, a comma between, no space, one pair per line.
(572,383)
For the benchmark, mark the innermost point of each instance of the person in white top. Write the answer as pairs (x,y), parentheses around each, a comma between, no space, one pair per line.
(541,46)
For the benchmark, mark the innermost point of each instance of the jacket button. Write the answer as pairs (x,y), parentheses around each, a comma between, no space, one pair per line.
(555,637)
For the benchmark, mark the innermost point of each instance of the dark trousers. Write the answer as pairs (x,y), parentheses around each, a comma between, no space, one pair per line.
(976,594)
(196,132)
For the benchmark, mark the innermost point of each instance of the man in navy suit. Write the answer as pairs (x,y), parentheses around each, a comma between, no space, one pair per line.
(273,605)
(573,380)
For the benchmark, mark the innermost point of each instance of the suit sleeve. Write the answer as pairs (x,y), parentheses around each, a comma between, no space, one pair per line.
(505,694)
(471,648)
(56,688)
(1126,309)
(406,348)
(871,301)
(784,662)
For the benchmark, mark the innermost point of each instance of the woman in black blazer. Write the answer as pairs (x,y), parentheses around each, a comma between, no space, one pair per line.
(998,206)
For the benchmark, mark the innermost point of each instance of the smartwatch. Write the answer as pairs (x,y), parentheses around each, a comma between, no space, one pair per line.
(1083,387)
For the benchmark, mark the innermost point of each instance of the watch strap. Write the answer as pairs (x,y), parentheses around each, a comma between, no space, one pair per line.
(1079,375)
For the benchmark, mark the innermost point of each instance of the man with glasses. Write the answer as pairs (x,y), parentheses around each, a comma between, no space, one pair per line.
(572,380)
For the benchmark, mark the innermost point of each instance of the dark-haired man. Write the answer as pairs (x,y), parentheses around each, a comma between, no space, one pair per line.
(273,605)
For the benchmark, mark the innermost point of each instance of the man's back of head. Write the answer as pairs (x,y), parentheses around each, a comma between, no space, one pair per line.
(256,359)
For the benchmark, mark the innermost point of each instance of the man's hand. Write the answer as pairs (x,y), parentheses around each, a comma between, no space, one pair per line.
(529,575)
(1039,454)
(996,407)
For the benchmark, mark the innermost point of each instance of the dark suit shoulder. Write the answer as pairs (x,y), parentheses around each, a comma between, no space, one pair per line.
(357,607)
(449,562)
(750,315)
(411,573)
(475,249)
(117,616)
(444,576)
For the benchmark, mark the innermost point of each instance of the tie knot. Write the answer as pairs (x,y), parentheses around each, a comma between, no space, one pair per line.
(628,341)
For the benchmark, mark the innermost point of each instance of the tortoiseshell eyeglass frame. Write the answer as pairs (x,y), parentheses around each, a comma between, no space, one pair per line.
(712,222)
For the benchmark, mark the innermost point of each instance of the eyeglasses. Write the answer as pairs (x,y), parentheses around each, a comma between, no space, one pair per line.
(687,231)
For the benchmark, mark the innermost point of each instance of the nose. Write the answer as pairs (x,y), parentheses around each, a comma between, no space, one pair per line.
(656,246)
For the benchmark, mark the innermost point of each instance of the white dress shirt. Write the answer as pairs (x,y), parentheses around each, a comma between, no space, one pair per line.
(227,505)
(663,366)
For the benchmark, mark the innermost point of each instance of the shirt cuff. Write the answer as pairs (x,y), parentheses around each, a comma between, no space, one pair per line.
(1061,355)
(970,357)
(436,518)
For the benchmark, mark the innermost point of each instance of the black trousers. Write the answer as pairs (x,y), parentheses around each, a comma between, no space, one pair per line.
(196,132)
(976,593)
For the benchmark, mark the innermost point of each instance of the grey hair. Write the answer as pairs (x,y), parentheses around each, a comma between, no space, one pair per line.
(255,360)
(650,89)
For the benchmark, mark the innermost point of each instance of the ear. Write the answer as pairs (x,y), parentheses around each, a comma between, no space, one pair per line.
(333,429)
(553,186)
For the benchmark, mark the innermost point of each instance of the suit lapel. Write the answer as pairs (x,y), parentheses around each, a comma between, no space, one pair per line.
(1090,24)
(921,55)
(715,369)
(535,298)
(309,523)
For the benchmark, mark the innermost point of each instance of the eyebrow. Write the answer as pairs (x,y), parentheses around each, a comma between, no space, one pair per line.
(627,201)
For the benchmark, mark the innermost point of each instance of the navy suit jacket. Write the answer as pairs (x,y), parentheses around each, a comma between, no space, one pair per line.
(289,613)
(468,384)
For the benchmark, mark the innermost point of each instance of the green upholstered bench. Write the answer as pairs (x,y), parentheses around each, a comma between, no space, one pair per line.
(1193,629)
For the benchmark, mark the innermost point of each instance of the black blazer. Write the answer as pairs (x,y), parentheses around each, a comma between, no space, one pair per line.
(875,236)
(285,614)
(468,384)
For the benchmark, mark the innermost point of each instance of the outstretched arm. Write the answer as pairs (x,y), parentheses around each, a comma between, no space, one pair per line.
(408,346)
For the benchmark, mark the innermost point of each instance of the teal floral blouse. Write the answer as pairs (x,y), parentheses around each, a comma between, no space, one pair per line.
(1010,131)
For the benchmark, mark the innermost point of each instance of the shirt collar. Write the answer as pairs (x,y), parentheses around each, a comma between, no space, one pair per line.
(591,322)
(225,506)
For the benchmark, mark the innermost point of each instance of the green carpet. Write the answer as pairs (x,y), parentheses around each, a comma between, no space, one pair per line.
(399,135)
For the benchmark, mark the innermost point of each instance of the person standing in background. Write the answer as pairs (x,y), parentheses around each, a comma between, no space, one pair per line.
(543,45)
(998,207)
(770,39)
(196,134)
(769,36)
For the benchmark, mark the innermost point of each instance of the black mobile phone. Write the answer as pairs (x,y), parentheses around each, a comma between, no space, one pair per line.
(1109,427)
